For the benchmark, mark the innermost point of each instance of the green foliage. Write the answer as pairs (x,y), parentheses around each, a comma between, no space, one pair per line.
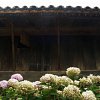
(9,93)
(96,89)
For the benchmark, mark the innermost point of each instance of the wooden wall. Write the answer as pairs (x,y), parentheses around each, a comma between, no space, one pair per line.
(47,53)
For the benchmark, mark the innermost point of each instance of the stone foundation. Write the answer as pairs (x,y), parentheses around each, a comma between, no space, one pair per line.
(35,75)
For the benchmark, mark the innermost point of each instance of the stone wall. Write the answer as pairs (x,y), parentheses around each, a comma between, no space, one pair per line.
(35,75)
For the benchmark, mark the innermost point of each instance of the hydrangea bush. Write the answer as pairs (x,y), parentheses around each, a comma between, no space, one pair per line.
(52,87)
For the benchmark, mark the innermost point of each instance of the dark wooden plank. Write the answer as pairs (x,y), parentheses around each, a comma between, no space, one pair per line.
(97,51)
(71,52)
(88,53)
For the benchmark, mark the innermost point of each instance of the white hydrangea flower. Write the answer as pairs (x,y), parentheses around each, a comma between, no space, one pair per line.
(63,80)
(73,71)
(98,78)
(46,87)
(13,83)
(47,78)
(76,82)
(72,92)
(85,81)
(26,87)
(88,95)
(60,92)
(94,78)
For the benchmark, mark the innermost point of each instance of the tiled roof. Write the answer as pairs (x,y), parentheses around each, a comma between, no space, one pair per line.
(51,7)
(66,11)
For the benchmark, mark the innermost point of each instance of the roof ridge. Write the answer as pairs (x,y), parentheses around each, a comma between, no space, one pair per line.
(50,7)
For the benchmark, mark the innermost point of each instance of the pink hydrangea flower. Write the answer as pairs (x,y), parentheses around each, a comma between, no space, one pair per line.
(3,84)
(18,77)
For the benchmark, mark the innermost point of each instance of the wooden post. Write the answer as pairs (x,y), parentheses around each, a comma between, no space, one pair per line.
(58,42)
(13,46)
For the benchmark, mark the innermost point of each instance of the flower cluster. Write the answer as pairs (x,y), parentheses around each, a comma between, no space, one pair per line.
(85,82)
(52,87)
(88,95)
(72,92)
(73,71)
(95,79)
(47,78)
(25,87)
(63,80)
(13,83)
(58,80)
(18,77)
(3,84)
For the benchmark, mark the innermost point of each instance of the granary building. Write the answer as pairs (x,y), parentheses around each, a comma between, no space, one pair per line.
(48,39)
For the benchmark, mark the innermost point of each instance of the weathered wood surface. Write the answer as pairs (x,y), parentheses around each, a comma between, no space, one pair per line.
(50,39)
(42,53)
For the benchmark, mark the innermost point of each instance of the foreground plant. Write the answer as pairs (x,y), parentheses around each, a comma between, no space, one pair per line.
(52,87)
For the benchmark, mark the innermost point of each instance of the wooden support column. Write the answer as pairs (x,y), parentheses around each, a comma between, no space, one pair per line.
(58,43)
(13,47)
